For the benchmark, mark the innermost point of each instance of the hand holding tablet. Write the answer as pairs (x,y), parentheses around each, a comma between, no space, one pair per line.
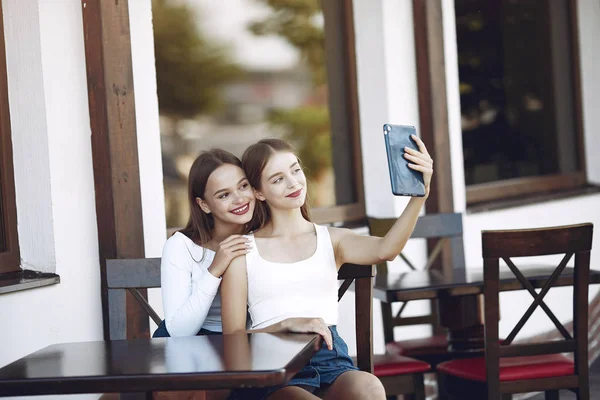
(410,166)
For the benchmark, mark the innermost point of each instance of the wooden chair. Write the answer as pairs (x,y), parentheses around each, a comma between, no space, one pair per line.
(519,368)
(447,228)
(134,274)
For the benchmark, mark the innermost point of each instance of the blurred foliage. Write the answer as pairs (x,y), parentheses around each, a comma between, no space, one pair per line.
(308,127)
(191,68)
(297,22)
(309,130)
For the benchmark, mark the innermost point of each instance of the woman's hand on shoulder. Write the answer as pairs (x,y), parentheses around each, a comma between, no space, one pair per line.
(420,161)
(309,325)
(230,248)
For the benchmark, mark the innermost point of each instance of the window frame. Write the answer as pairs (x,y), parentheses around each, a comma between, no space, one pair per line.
(10,258)
(347,65)
(533,185)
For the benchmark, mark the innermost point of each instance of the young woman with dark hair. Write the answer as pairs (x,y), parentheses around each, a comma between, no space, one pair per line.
(221,204)
(291,270)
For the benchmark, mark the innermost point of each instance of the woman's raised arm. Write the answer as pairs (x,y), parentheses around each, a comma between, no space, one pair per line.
(368,250)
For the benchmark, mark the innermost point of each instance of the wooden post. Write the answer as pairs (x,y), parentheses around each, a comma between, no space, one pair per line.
(114,144)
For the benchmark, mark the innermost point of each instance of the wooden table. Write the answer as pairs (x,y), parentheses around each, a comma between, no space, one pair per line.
(145,365)
(457,293)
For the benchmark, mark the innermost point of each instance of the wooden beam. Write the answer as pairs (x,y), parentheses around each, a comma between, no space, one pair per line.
(114,144)
(433,110)
(433,107)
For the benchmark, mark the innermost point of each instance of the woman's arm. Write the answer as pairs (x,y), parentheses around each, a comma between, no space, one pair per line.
(234,295)
(353,248)
(185,309)
(368,250)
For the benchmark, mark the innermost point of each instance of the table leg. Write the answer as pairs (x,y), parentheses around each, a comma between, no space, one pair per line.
(461,315)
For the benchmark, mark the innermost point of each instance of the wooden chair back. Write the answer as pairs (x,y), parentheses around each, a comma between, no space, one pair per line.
(448,229)
(568,240)
(133,274)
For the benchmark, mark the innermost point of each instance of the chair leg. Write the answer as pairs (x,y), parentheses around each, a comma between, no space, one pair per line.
(419,388)
(442,387)
(583,392)
(551,395)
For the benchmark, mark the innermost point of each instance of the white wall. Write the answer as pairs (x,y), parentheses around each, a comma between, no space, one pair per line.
(30,137)
(54,173)
(148,136)
(53,178)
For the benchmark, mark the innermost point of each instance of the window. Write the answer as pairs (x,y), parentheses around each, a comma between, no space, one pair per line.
(9,246)
(519,92)
(232,73)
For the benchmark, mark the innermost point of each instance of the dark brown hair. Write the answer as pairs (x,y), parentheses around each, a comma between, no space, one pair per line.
(254,160)
(200,225)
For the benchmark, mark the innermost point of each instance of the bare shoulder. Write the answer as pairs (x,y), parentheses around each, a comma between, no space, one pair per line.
(337,234)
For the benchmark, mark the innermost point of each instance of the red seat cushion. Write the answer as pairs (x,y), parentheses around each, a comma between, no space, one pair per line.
(511,369)
(429,345)
(391,364)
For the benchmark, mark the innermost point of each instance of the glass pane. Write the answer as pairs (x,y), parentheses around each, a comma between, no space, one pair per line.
(516,88)
(233,72)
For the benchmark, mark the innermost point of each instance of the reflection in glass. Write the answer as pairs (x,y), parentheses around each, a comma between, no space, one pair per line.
(516,88)
(231,73)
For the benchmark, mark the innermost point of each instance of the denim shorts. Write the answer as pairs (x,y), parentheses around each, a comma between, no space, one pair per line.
(162,331)
(321,371)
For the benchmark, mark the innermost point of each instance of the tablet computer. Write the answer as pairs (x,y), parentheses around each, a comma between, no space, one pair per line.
(405,181)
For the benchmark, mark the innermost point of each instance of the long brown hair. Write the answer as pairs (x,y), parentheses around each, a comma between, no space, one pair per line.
(254,160)
(200,225)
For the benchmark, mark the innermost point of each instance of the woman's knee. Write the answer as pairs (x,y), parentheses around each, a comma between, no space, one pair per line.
(356,385)
(369,387)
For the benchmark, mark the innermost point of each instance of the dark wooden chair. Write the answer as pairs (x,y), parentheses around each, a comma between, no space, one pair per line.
(446,228)
(519,368)
(133,274)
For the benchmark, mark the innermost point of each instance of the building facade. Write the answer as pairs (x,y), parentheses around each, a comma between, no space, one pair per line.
(55,213)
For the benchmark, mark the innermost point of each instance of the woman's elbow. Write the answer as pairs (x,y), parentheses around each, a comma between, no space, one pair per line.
(386,256)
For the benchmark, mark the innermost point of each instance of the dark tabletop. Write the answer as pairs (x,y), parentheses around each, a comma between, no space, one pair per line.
(431,284)
(186,363)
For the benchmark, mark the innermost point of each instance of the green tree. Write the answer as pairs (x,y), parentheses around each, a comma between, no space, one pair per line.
(308,126)
(295,21)
(191,68)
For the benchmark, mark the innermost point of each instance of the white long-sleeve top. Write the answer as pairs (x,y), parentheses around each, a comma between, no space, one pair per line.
(190,294)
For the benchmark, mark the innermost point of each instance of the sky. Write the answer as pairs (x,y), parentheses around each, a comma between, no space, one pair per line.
(227,20)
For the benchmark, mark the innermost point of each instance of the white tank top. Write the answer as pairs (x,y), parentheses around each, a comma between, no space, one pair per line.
(307,288)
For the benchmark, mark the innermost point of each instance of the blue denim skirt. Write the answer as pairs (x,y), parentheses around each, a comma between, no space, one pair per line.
(162,331)
(321,371)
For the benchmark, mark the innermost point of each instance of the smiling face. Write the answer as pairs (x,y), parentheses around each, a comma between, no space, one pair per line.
(228,195)
(283,183)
